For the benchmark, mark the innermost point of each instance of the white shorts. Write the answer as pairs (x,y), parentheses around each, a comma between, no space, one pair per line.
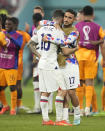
(71,75)
(35,71)
(51,80)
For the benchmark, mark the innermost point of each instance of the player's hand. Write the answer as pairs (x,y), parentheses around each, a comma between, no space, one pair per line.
(35,61)
(27,27)
(45,39)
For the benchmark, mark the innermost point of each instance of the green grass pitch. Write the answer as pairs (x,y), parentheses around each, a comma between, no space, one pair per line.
(32,122)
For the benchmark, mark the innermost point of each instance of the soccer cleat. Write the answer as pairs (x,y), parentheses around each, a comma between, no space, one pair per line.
(4,109)
(12,112)
(76,122)
(94,113)
(87,111)
(50,122)
(62,123)
(1,106)
(22,108)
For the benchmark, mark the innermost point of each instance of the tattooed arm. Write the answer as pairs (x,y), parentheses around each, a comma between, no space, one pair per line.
(32,46)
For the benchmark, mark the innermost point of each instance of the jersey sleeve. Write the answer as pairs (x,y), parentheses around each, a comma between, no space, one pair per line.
(58,40)
(101,33)
(17,41)
(2,39)
(46,23)
(27,37)
(35,38)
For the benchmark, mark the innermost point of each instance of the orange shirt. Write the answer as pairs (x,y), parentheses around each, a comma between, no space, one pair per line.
(26,38)
(2,39)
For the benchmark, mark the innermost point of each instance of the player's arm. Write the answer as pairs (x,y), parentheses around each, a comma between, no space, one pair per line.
(96,42)
(68,51)
(71,39)
(32,45)
(56,41)
(18,42)
(102,47)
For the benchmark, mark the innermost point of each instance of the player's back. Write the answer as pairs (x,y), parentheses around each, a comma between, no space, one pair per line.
(48,58)
(88,31)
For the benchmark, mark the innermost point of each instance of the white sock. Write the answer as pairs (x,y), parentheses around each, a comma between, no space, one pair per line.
(65,114)
(50,102)
(59,108)
(36,95)
(76,113)
(44,107)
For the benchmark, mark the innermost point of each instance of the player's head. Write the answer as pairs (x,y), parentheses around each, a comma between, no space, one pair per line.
(10,24)
(69,17)
(58,16)
(88,10)
(38,9)
(36,18)
(3,17)
(16,22)
(80,16)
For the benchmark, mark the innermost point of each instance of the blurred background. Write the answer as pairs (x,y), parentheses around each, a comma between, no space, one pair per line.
(23,9)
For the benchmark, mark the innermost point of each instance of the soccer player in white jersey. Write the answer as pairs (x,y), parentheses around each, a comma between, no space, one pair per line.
(37,16)
(50,76)
(71,69)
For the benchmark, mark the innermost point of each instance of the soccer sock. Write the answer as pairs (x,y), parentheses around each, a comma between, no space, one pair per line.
(94,101)
(66,114)
(50,102)
(13,99)
(36,95)
(59,108)
(103,97)
(3,98)
(76,113)
(44,107)
(19,102)
(89,94)
(80,94)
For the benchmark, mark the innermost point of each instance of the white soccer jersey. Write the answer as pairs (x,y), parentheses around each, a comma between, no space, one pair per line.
(48,60)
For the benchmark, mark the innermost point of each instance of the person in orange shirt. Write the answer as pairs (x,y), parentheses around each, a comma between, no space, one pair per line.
(26,38)
(9,65)
(87,54)
(81,91)
(103,68)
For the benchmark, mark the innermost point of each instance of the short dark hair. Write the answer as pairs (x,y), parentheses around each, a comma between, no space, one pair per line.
(72,12)
(58,13)
(40,8)
(12,19)
(88,10)
(37,17)
(16,20)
